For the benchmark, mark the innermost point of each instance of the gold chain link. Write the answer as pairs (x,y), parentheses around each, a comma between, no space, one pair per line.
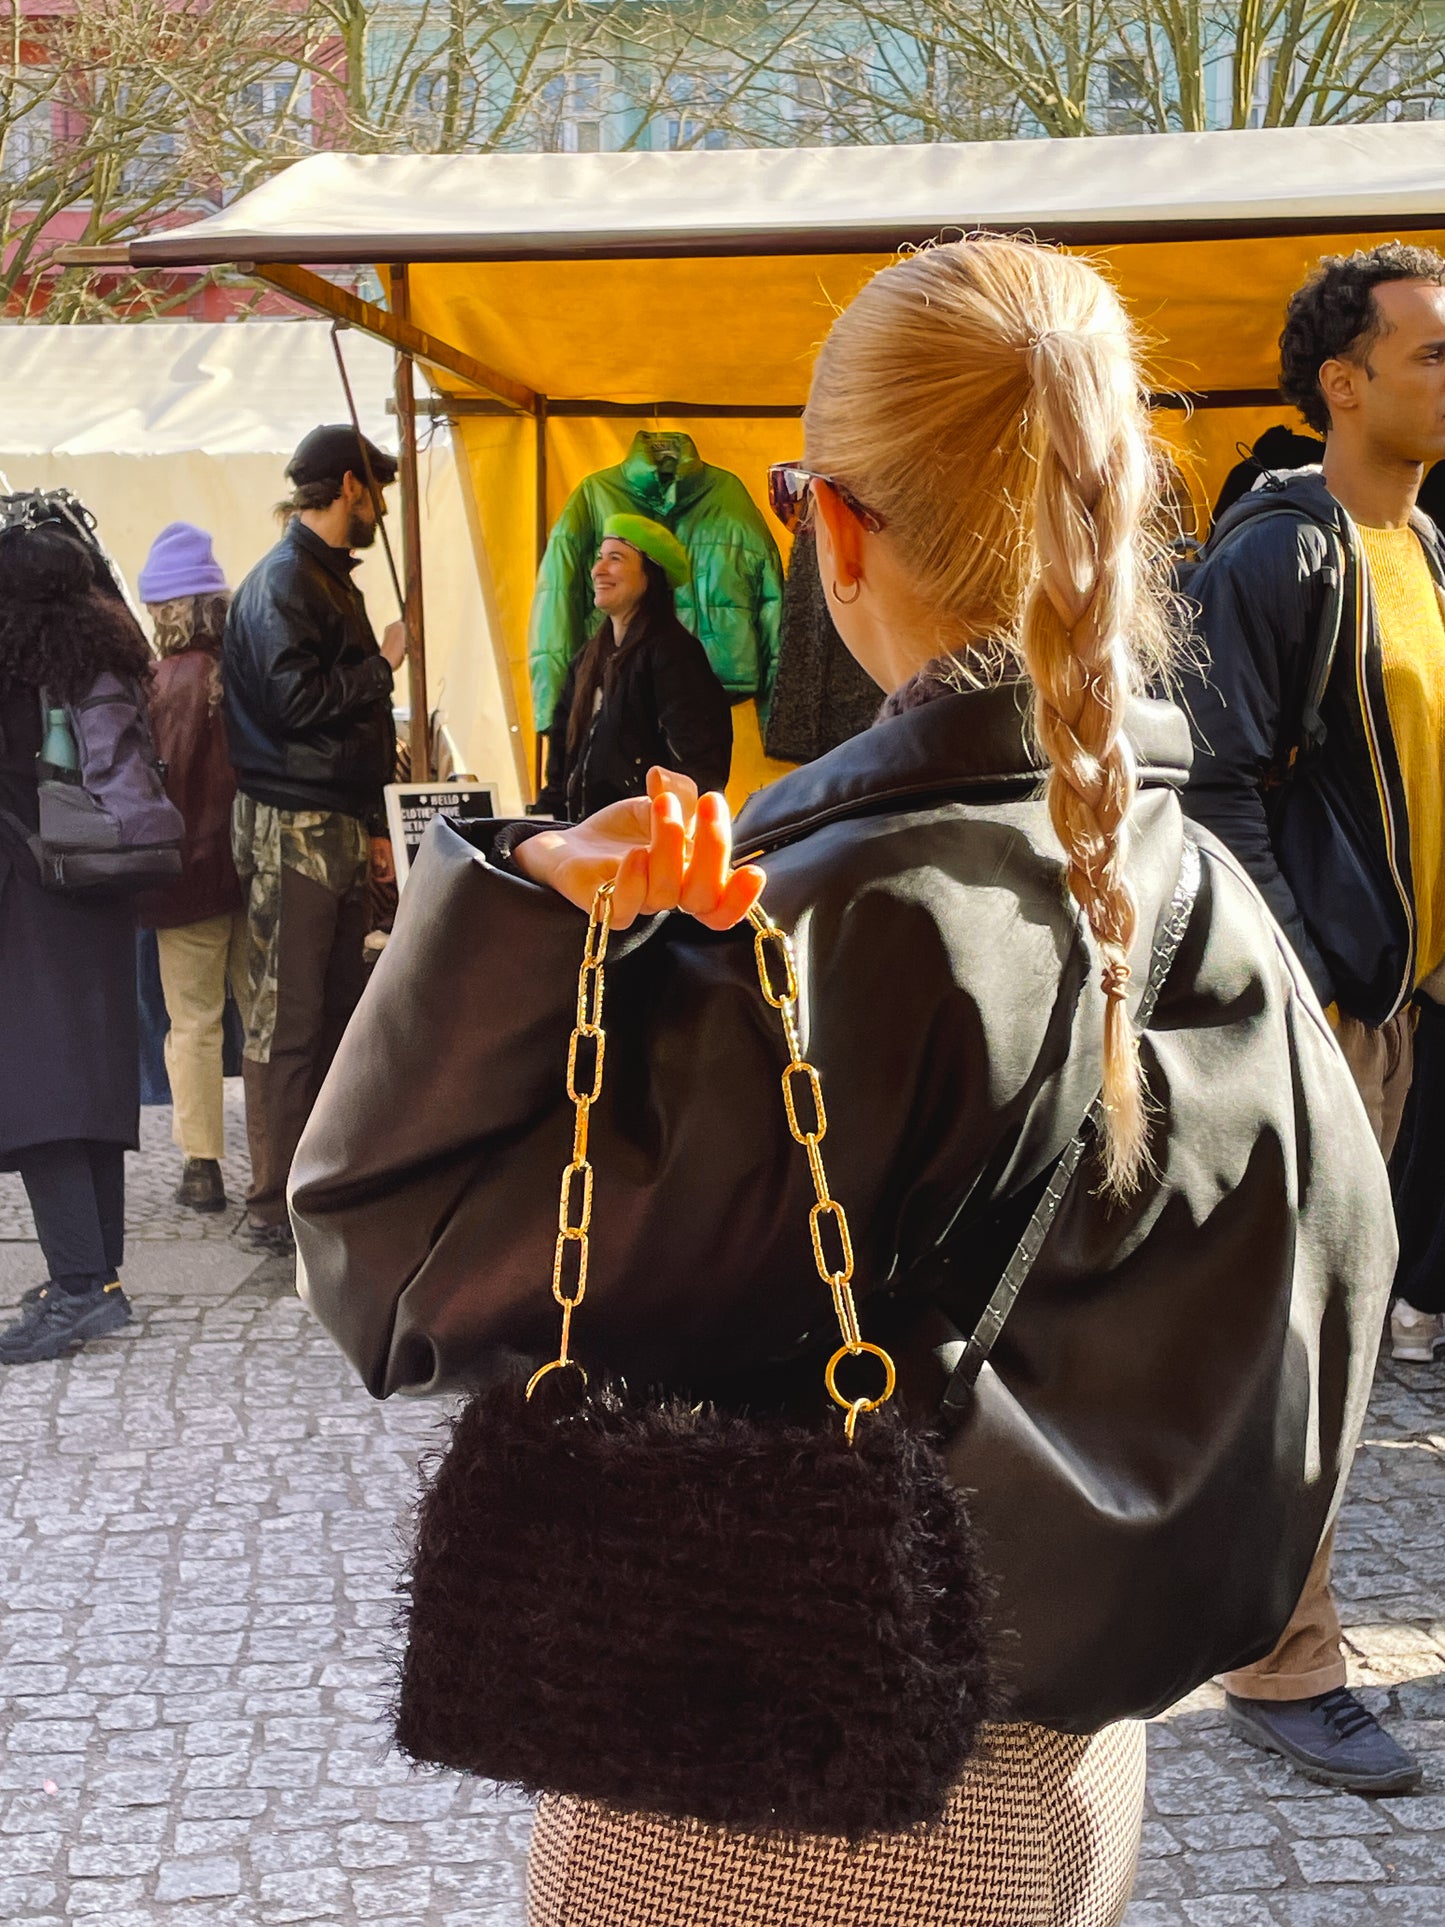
(574,1218)
(770,942)
(574,1215)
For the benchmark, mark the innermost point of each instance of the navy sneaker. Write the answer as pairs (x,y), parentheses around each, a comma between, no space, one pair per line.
(35,1293)
(57,1321)
(268,1240)
(1331,1738)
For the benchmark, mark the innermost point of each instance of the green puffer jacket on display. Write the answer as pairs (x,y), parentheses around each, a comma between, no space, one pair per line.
(734,601)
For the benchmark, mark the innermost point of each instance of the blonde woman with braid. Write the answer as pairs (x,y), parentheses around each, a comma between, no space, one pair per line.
(1072,1072)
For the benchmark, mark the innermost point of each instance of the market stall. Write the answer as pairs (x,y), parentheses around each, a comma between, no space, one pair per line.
(194,421)
(562,303)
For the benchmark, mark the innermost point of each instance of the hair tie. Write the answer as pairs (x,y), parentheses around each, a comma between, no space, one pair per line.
(1115,978)
(1051,334)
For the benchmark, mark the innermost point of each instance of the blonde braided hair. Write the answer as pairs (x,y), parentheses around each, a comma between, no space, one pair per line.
(984,397)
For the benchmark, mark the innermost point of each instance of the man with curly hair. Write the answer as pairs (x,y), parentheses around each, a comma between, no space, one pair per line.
(1320,761)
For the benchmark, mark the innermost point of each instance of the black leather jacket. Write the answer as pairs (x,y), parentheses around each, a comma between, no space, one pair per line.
(307,692)
(1167,1419)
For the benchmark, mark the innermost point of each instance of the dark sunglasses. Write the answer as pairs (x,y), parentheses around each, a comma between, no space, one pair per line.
(789,496)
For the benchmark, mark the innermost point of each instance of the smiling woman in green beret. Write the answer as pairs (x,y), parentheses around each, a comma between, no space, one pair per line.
(642,692)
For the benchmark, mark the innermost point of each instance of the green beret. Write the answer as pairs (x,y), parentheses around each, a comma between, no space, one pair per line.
(658,544)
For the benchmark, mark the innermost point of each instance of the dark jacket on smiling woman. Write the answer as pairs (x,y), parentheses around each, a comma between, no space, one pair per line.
(650,698)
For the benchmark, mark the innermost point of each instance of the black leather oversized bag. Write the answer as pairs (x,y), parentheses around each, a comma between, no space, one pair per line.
(684,1611)
(1158,1439)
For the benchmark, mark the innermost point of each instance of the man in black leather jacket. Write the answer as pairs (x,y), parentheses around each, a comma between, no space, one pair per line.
(1318,723)
(307,700)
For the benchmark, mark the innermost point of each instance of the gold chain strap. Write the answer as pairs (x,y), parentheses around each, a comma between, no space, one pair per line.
(587,1036)
(826,1208)
(574,1218)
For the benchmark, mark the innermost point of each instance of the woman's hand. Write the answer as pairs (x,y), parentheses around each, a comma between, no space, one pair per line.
(671,850)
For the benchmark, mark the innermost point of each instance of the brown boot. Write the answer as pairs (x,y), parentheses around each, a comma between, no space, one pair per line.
(201,1187)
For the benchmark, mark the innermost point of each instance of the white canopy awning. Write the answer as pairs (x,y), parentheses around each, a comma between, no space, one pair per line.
(190,421)
(177,387)
(499,207)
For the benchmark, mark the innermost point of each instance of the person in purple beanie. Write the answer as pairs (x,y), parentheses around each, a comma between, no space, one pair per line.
(199,920)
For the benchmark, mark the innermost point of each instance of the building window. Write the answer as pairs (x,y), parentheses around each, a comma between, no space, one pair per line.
(1258,115)
(428,97)
(151,162)
(436,98)
(271,109)
(1126,95)
(694,109)
(1415,86)
(572,111)
(826,103)
(584,111)
(29,138)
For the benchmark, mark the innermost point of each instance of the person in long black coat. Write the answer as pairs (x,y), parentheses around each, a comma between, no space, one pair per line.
(642,692)
(70,1092)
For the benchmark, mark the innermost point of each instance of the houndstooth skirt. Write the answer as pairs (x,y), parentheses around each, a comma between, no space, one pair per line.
(1042,1832)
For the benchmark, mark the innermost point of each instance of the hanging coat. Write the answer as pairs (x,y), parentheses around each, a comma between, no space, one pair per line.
(821,695)
(733,602)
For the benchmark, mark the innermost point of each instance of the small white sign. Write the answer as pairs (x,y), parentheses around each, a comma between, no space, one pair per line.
(411,806)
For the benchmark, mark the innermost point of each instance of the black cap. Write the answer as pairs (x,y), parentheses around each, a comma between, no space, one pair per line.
(328,453)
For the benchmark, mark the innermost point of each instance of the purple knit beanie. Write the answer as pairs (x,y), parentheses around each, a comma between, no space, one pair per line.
(180,563)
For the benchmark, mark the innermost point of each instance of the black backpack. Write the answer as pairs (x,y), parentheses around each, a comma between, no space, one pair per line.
(1309,734)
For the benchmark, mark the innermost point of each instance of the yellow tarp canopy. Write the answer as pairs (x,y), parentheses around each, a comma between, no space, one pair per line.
(648,282)
(746,331)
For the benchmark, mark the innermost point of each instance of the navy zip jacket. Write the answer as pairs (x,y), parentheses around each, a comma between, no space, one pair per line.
(1320,824)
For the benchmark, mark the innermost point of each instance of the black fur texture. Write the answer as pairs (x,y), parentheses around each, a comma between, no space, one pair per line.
(675,1610)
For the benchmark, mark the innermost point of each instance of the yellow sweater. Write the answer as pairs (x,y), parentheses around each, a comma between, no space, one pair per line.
(1412,642)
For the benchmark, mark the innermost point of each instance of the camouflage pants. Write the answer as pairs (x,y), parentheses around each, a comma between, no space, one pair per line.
(305,877)
(329,848)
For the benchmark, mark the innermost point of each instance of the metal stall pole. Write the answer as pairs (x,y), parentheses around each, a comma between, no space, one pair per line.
(372,487)
(539,416)
(419,728)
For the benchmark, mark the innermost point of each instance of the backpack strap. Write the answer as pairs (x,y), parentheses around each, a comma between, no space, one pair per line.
(984,1336)
(1310,728)
(1327,639)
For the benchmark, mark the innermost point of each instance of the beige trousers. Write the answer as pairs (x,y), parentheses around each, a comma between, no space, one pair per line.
(197,960)
(1308,1658)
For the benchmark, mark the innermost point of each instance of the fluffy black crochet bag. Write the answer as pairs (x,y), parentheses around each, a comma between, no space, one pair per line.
(676,1610)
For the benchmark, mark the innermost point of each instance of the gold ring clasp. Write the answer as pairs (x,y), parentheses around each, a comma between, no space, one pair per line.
(856,1406)
(553,1365)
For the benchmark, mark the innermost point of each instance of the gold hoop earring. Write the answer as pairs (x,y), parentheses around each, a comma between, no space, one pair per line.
(838,595)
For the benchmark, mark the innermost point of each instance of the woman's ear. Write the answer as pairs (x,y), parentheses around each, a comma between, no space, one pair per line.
(839,536)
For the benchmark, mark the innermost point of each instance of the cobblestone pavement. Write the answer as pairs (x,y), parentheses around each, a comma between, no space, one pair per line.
(198,1527)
